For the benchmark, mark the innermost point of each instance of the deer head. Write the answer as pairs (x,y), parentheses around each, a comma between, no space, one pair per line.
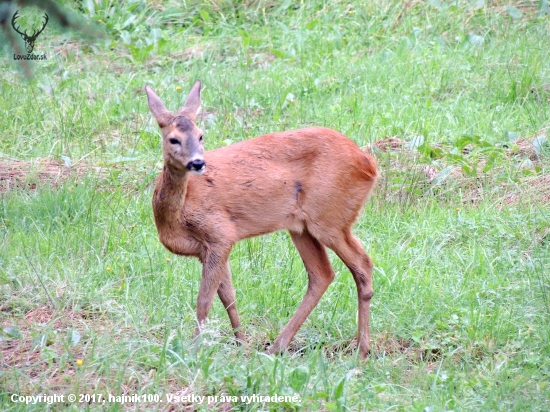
(182,145)
(29,40)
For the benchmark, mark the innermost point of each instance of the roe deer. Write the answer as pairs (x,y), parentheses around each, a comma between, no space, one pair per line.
(312,182)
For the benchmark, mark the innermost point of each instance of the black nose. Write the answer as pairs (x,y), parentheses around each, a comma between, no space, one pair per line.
(196,165)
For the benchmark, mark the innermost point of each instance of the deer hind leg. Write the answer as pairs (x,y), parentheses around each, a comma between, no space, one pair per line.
(320,275)
(351,252)
(227,296)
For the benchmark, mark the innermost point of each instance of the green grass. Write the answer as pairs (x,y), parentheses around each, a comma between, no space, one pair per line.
(462,288)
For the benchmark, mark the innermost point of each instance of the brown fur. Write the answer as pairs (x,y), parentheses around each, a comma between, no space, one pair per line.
(312,182)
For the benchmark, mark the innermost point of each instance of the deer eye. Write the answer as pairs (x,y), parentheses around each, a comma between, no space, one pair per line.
(174,141)
(200,138)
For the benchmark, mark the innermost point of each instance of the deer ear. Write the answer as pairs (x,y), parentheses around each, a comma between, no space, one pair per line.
(158,110)
(192,106)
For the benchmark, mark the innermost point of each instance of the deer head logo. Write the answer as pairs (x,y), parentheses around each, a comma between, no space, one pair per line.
(29,40)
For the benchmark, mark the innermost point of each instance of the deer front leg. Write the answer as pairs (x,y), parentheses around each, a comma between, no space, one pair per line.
(227,296)
(320,274)
(214,266)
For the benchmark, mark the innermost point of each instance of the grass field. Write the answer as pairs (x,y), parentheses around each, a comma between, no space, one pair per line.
(452,99)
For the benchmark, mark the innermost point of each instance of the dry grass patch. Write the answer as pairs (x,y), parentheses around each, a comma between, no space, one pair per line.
(68,351)
(30,174)
(35,350)
(519,175)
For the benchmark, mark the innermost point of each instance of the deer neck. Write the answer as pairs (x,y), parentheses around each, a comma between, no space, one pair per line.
(169,196)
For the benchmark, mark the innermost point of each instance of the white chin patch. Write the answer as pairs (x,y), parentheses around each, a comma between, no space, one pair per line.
(199,172)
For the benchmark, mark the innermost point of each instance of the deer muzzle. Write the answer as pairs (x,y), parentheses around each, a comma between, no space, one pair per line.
(197,166)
